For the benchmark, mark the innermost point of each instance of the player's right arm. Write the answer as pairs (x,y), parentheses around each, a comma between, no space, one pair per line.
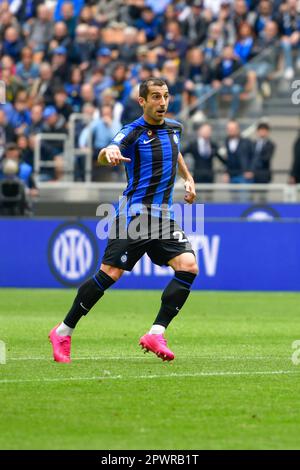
(112,156)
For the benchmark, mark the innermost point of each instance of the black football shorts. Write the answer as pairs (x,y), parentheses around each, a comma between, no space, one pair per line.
(161,245)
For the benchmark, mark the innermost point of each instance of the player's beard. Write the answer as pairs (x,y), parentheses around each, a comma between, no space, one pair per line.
(160,114)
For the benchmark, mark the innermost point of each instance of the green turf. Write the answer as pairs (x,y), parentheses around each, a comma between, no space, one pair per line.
(219,392)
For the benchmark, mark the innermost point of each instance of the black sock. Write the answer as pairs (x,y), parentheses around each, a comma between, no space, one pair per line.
(174,297)
(88,294)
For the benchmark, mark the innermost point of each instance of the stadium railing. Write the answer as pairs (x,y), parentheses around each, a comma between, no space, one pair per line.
(104,192)
(40,163)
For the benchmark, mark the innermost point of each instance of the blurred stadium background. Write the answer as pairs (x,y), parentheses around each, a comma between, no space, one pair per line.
(69,72)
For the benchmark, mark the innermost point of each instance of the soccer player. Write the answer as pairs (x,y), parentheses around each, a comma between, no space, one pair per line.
(149,149)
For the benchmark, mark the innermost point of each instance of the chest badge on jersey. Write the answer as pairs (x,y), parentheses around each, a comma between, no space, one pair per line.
(150,133)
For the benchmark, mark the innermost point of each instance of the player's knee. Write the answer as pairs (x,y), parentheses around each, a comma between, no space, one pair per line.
(189,266)
(194,269)
(112,271)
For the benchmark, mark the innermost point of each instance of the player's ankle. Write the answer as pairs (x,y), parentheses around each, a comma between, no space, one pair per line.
(64,330)
(157,330)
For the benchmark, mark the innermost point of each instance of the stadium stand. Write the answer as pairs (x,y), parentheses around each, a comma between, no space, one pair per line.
(71,69)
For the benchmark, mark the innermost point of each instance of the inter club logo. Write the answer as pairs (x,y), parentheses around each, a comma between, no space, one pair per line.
(72,254)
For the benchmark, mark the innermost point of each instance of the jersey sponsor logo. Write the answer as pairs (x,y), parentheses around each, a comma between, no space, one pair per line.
(72,254)
(148,141)
(119,137)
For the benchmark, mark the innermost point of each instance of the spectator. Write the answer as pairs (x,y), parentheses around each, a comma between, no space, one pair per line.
(195,26)
(104,60)
(173,34)
(87,94)
(27,70)
(264,16)
(27,10)
(25,171)
(82,49)
(132,109)
(175,84)
(226,83)
(266,47)
(295,170)
(20,117)
(6,20)
(87,16)
(69,14)
(99,81)
(12,44)
(36,124)
(52,150)
(203,151)
(263,151)
(13,200)
(198,76)
(43,87)
(240,14)
(60,36)
(73,88)
(7,133)
(244,45)
(61,103)
(38,31)
(239,152)
(26,151)
(102,129)
(128,50)
(215,42)
(150,24)
(60,66)
(227,25)
(289,25)
(94,38)
(120,85)
(12,84)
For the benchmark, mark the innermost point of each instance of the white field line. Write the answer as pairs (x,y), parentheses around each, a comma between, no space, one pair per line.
(162,376)
(142,357)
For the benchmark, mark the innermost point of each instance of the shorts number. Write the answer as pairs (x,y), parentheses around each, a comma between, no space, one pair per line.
(180,236)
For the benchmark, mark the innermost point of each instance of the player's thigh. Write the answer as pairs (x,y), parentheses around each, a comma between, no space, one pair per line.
(184,262)
(162,251)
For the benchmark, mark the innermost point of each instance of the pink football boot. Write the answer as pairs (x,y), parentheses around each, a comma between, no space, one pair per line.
(61,346)
(158,345)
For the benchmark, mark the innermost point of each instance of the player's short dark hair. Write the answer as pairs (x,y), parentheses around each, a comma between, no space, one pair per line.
(263,125)
(144,86)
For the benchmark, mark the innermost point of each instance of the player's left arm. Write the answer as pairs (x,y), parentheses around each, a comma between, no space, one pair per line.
(189,184)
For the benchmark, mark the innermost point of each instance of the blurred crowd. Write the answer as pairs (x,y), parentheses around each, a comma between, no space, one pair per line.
(63,57)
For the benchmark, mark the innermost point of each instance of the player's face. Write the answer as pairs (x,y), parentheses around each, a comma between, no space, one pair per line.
(156,104)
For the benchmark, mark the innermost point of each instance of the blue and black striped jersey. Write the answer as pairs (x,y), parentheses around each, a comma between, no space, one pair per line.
(153,150)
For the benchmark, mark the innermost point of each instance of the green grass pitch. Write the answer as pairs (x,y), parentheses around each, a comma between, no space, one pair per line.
(232,385)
